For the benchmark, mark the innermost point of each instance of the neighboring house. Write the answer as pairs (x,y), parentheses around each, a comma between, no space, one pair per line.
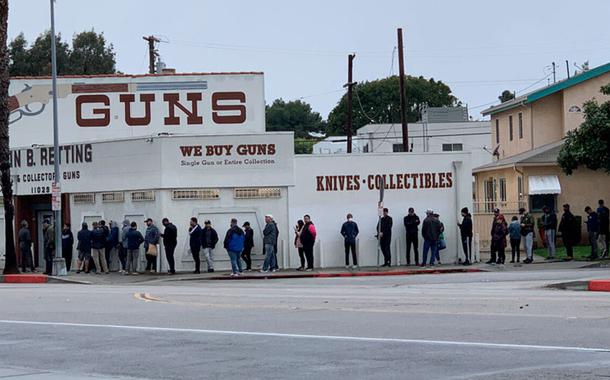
(334,145)
(527,133)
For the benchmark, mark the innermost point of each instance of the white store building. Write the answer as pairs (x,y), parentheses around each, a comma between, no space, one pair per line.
(178,146)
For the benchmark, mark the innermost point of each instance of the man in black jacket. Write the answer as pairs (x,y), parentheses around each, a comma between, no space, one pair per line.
(170,240)
(248,245)
(195,233)
(384,230)
(549,223)
(209,238)
(569,231)
(411,222)
(431,232)
(466,235)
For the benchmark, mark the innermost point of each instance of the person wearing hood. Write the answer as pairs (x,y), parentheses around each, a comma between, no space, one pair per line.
(123,245)
(67,245)
(134,240)
(234,244)
(25,247)
(84,248)
(269,241)
(499,230)
(466,235)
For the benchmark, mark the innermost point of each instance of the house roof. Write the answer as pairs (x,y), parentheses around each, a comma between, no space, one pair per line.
(543,155)
(548,90)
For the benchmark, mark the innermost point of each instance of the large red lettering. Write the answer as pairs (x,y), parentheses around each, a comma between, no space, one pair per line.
(238,111)
(127,99)
(102,121)
(173,102)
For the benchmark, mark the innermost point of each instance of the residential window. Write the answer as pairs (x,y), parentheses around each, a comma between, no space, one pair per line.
(453,147)
(510,127)
(497,131)
(490,194)
(520,125)
(502,189)
(520,191)
(538,201)
(397,148)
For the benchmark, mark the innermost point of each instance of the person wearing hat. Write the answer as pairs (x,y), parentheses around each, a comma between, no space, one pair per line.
(209,239)
(151,239)
(49,245)
(431,232)
(248,245)
(527,231)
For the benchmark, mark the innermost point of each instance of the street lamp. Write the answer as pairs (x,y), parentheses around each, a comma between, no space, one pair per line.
(59,264)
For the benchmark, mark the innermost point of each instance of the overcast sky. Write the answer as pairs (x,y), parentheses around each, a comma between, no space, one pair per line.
(479,48)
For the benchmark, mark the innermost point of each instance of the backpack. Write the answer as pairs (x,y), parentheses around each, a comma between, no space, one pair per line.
(236,244)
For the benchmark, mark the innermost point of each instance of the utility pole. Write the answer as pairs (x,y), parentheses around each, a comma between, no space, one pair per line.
(568,68)
(403,96)
(349,85)
(152,52)
(554,77)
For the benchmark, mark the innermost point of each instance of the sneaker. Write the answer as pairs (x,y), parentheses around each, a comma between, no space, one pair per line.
(490,262)
(309,270)
(300,269)
(264,271)
(274,270)
(348,267)
(233,274)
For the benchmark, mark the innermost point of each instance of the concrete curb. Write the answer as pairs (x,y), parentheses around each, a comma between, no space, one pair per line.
(599,286)
(272,276)
(38,279)
(591,286)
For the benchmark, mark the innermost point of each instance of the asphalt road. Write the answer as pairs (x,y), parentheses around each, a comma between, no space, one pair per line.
(450,326)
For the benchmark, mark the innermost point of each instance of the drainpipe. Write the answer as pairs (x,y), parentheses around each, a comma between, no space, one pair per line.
(456,166)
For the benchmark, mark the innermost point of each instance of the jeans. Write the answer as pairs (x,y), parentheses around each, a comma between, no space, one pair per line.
(350,246)
(467,247)
(431,245)
(169,255)
(412,240)
(235,262)
(550,241)
(99,258)
(195,254)
(601,243)
(516,249)
(528,245)
(209,257)
(270,259)
(593,241)
(132,260)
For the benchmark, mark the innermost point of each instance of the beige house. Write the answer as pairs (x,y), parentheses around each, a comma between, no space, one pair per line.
(528,132)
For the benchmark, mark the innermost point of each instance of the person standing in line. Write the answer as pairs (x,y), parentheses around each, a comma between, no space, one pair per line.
(151,239)
(603,213)
(384,234)
(195,239)
(248,245)
(297,243)
(134,240)
(498,240)
(411,222)
(431,231)
(466,235)
(442,244)
(209,238)
(593,230)
(107,243)
(568,230)
(308,239)
(549,224)
(527,232)
(98,244)
(84,248)
(49,245)
(276,263)
(514,232)
(349,231)
(170,241)
(25,247)
(269,242)
(122,246)
(234,244)
(67,245)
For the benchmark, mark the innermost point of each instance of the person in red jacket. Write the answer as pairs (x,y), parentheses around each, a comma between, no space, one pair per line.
(308,239)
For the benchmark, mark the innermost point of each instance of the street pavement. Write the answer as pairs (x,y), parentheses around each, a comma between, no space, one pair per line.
(501,324)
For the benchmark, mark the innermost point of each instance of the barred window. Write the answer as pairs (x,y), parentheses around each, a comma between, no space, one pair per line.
(195,194)
(141,196)
(257,193)
(84,198)
(117,196)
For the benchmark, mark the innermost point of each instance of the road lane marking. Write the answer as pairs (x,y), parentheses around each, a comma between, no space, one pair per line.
(311,336)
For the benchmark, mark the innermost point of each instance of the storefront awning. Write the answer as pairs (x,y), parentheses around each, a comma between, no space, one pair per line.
(544,184)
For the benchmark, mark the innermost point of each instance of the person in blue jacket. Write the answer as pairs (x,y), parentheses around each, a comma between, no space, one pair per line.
(349,231)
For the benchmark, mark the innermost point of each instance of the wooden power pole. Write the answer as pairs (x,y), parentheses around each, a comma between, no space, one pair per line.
(152,52)
(403,95)
(350,84)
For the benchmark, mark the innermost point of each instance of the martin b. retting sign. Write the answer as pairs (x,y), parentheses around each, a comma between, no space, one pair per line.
(110,107)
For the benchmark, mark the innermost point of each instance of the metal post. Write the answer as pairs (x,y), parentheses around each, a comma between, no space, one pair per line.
(350,85)
(59,264)
(403,95)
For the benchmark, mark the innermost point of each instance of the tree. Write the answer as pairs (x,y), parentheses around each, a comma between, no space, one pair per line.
(295,116)
(506,96)
(89,55)
(10,263)
(589,145)
(378,101)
